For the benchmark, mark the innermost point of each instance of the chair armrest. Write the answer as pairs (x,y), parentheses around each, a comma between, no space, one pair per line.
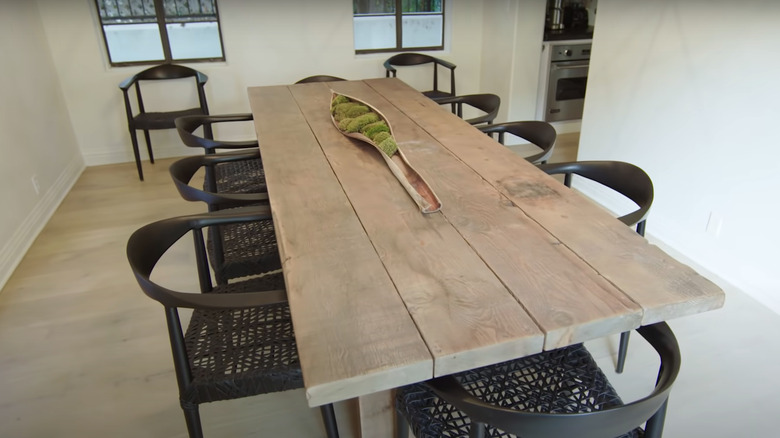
(127,83)
(244,300)
(186,125)
(202,78)
(490,129)
(191,123)
(444,63)
(184,169)
(449,99)
(389,69)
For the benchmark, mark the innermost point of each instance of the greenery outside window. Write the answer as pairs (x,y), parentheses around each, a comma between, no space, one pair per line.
(396,25)
(156,31)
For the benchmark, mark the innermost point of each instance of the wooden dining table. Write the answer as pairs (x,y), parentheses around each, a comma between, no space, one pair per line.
(383,295)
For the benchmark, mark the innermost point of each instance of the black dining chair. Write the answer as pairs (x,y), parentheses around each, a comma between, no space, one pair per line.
(236,250)
(239,341)
(320,78)
(624,178)
(486,103)
(146,120)
(540,134)
(408,59)
(557,393)
(232,176)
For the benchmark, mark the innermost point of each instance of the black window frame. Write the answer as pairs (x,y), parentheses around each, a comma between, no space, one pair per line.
(399,30)
(160,20)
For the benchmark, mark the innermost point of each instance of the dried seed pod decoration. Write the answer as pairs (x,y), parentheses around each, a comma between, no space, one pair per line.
(357,119)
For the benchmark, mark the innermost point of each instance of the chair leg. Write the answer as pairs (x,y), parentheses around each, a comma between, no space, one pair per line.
(134,139)
(149,145)
(329,418)
(192,417)
(640,228)
(478,430)
(654,428)
(401,426)
(622,352)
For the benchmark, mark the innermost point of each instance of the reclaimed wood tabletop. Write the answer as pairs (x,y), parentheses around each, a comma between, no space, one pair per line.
(514,262)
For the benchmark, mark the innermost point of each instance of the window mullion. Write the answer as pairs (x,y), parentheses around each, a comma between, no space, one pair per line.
(159,9)
(399,40)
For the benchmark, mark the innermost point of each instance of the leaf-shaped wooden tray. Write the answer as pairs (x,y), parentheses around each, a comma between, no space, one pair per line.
(362,121)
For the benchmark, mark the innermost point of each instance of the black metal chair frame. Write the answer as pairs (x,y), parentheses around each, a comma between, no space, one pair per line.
(183,170)
(145,248)
(320,78)
(407,59)
(626,179)
(610,421)
(238,250)
(230,177)
(486,102)
(187,125)
(147,121)
(541,134)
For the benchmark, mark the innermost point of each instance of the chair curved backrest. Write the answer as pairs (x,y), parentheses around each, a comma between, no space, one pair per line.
(608,422)
(320,78)
(407,59)
(485,102)
(206,355)
(541,134)
(149,243)
(624,178)
(170,71)
(183,170)
(187,125)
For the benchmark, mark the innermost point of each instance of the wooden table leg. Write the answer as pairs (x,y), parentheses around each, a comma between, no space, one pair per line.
(377,416)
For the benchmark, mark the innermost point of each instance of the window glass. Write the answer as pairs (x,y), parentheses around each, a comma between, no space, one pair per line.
(150,31)
(193,29)
(388,25)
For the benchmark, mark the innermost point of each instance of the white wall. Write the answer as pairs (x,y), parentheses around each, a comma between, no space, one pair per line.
(511,52)
(37,137)
(266,43)
(687,91)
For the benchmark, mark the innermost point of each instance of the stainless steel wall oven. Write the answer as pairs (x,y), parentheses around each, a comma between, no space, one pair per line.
(567,80)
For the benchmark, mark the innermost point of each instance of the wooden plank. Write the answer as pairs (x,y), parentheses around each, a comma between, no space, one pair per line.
(569,300)
(465,314)
(354,333)
(662,286)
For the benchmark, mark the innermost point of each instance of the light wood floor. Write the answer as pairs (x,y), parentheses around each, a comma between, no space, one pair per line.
(83,353)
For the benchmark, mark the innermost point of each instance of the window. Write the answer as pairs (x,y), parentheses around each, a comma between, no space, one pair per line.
(393,25)
(154,31)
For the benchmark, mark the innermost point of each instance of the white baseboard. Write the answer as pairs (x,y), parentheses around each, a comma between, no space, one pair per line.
(115,157)
(24,236)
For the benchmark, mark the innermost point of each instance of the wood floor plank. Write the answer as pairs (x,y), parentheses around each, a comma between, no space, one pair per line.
(328,263)
(86,353)
(662,286)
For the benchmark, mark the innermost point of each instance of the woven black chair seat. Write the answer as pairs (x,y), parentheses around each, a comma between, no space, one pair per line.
(246,249)
(566,380)
(246,176)
(162,120)
(244,352)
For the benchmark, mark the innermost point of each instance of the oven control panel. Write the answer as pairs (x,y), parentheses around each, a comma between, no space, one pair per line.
(570,52)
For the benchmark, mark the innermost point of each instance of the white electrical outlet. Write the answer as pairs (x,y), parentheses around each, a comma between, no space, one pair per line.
(714,224)
(35,184)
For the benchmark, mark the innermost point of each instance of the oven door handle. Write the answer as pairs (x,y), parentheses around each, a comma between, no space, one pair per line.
(568,66)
